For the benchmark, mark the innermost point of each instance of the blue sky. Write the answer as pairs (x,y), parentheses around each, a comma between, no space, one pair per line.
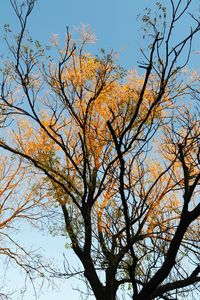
(114,22)
(116,27)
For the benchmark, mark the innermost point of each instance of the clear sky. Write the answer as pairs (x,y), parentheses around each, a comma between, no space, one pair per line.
(114,22)
(116,27)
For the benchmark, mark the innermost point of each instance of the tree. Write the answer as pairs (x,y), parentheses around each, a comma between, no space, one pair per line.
(118,151)
(17,204)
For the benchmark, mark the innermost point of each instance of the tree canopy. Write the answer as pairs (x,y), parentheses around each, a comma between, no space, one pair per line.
(117,150)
